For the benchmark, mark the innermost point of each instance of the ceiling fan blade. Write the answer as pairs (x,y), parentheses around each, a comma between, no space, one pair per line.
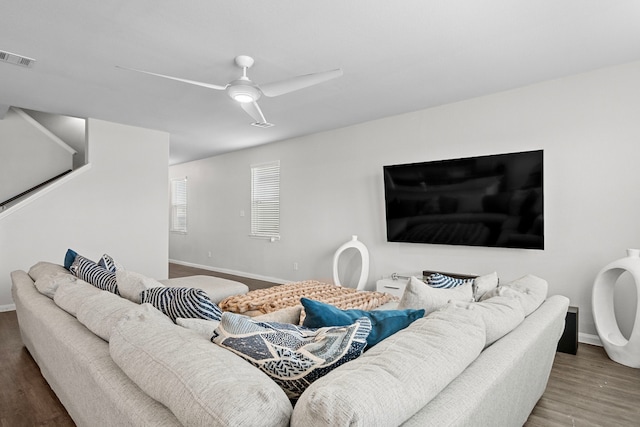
(300,82)
(253,109)
(192,82)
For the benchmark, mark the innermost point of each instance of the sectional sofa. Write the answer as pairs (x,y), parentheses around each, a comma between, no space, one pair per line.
(112,362)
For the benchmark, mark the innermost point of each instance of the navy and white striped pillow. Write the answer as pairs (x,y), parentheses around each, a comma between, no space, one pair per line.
(188,303)
(441,281)
(108,263)
(89,271)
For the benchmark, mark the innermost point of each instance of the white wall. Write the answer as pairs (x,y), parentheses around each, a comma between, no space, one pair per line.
(28,157)
(118,205)
(332,187)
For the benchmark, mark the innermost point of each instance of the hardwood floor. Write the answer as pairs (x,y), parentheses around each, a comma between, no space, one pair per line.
(587,389)
(25,396)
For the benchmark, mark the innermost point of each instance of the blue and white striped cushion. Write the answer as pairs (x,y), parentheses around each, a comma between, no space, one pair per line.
(89,271)
(188,303)
(441,281)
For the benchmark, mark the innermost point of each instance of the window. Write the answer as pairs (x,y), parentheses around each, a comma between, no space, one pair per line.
(179,205)
(265,200)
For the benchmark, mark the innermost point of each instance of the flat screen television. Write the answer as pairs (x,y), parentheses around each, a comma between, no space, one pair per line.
(494,201)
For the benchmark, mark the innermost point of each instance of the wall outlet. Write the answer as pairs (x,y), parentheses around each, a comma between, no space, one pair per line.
(209,254)
(241,212)
(295,266)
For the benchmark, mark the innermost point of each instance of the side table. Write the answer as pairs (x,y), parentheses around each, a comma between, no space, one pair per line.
(390,286)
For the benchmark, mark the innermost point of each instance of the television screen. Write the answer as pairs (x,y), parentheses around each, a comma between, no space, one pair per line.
(494,201)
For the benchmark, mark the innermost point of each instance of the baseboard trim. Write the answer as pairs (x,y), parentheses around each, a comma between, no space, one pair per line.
(8,307)
(589,339)
(234,272)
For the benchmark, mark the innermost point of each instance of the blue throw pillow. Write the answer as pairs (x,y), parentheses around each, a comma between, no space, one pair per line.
(69,257)
(384,323)
(188,303)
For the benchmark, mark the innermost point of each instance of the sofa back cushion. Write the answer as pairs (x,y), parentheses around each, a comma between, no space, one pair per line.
(530,290)
(44,268)
(48,284)
(69,296)
(100,312)
(201,383)
(392,381)
(131,284)
(501,315)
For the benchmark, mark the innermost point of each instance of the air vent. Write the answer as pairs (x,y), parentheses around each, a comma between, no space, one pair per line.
(14,59)
(262,125)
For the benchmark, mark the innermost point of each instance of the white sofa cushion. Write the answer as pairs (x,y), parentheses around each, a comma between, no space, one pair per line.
(131,284)
(48,284)
(100,312)
(44,268)
(204,327)
(418,294)
(201,383)
(530,290)
(69,296)
(500,314)
(396,378)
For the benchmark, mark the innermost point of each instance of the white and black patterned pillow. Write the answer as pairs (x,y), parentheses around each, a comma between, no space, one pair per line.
(98,276)
(293,356)
(107,262)
(441,281)
(188,303)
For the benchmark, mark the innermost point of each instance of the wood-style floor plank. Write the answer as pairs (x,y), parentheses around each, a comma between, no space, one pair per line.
(25,397)
(589,389)
(584,390)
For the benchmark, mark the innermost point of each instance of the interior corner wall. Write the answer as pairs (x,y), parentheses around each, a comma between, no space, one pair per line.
(117,206)
(332,188)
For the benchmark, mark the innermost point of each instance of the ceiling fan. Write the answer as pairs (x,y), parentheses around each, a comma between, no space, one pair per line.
(246,92)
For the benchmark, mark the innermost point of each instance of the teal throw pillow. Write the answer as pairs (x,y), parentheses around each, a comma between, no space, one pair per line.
(69,257)
(384,323)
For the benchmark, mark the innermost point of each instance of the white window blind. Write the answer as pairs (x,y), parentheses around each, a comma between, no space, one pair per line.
(179,205)
(265,200)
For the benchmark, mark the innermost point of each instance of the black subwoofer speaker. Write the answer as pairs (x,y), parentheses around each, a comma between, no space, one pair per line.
(569,340)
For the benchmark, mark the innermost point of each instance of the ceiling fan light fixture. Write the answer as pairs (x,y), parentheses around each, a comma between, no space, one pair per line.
(243,93)
(243,97)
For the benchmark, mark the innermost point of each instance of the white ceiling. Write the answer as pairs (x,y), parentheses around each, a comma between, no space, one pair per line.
(397,57)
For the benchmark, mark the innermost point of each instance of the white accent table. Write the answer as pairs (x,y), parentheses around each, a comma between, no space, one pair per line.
(391,286)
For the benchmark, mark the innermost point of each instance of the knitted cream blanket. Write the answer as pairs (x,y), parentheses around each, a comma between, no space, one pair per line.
(282,296)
